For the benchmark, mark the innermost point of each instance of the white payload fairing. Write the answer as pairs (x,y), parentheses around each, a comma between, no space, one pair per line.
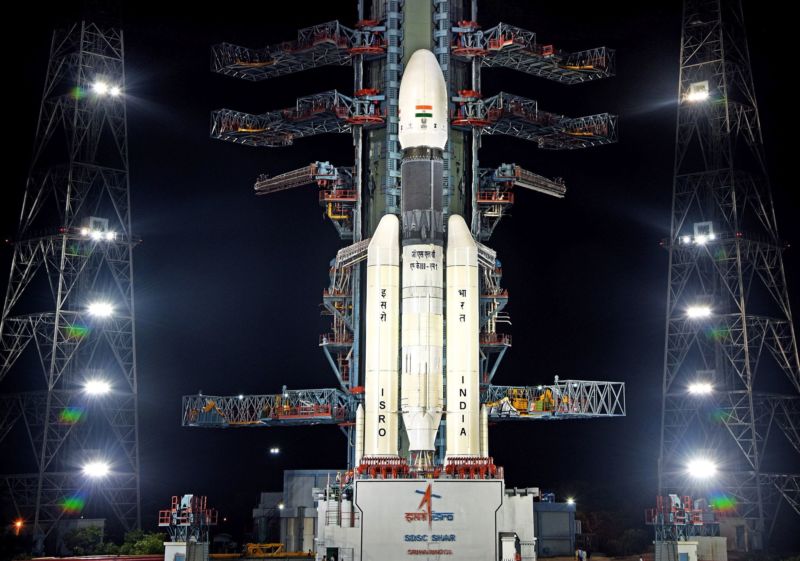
(407,297)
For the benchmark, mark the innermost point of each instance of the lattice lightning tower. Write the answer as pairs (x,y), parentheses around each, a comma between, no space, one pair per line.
(731,371)
(69,310)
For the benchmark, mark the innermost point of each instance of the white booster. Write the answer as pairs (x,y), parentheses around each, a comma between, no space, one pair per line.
(463,408)
(382,340)
(359,447)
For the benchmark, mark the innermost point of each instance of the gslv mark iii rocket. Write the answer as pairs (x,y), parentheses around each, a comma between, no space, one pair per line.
(407,297)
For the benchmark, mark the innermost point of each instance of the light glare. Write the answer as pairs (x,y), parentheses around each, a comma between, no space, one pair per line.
(101,309)
(698,312)
(697,96)
(97,387)
(96,469)
(115,91)
(570,501)
(701,468)
(100,87)
(700,388)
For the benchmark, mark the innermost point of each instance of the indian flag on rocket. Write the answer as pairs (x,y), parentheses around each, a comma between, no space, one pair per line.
(424,111)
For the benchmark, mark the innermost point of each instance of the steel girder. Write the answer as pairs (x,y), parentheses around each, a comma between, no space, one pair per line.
(495,195)
(725,253)
(79,170)
(512,47)
(326,112)
(518,116)
(325,44)
(336,195)
(580,400)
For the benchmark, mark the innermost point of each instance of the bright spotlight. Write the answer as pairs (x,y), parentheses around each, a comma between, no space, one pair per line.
(700,388)
(96,235)
(698,312)
(570,501)
(85,232)
(115,91)
(698,91)
(96,469)
(280,506)
(241,397)
(100,309)
(701,468)
(697,96)
(97,387)
(274,450)
(100,87)
(686,240)
(110,235)
(702,239)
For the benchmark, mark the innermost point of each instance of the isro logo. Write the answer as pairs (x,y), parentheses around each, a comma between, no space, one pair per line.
(425,508)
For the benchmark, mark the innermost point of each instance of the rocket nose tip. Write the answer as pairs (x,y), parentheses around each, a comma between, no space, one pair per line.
(422,58)
(420,54)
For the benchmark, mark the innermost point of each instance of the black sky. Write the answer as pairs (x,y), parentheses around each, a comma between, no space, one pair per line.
(228,285)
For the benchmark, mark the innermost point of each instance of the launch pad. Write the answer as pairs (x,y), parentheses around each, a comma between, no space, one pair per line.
(424,519)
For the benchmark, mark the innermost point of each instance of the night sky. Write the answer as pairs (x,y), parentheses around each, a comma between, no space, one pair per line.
(228,286)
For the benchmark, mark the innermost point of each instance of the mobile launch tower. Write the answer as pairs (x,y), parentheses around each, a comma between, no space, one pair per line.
(415,343)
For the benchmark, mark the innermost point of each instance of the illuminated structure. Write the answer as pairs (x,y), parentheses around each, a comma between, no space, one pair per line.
(377,49)
(415,388)
(68,309)
(731,379)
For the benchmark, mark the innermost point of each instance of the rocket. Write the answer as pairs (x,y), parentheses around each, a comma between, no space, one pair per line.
(408,301)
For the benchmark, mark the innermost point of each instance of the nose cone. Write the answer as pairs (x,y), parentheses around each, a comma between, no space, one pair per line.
(423,103)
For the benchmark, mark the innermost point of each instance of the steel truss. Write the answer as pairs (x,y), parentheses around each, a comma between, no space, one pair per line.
(725,254)
(75,237)
(512,47)
(314,114)
(577,399)
(495,195)
(337,195)
(57,494)
(520,117)
(375,50)
(325,44)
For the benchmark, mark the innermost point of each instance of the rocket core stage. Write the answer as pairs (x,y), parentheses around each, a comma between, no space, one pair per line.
(407,298)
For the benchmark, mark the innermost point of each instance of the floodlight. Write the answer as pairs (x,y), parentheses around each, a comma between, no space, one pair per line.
(700,388)
(698,312)
(96,469)
(100,309)
(701,468)
(97,387)
(100,88)
(698,91)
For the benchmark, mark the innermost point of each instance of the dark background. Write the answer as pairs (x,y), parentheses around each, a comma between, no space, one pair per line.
(228,285)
